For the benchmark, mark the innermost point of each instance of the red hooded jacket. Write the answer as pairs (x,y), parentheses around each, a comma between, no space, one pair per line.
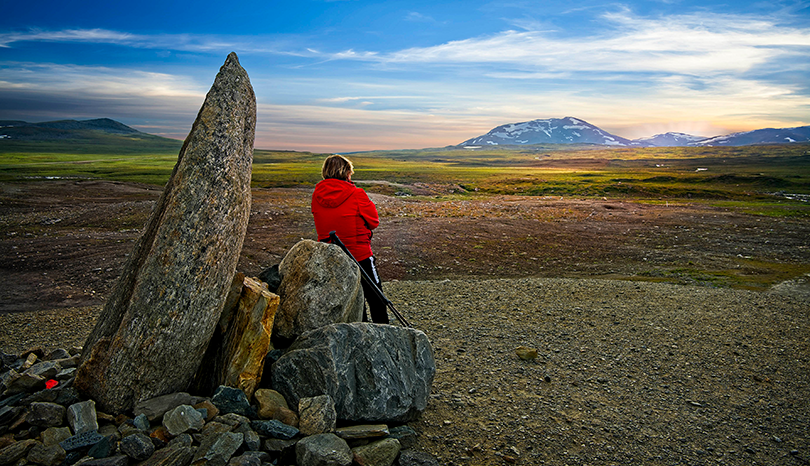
(342,207)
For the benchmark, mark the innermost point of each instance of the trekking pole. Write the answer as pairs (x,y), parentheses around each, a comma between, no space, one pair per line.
(333,238)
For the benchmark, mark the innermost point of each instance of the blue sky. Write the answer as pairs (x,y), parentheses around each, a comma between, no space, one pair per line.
(342,75)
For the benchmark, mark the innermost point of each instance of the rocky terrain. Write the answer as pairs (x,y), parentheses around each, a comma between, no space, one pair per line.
(627,371)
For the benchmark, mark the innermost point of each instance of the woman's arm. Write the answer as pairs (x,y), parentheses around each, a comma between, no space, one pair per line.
(368,211)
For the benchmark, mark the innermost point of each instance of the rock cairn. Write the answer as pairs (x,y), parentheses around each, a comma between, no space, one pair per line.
(175,371)
(45,421)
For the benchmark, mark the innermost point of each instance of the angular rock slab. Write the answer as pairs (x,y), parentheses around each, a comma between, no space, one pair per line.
(320,286)
(156,325)
(239,347)
(374,373)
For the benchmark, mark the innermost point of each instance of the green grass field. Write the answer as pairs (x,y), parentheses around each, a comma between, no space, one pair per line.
(755,178)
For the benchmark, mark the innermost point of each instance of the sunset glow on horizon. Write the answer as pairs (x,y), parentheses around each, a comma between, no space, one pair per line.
(351,75)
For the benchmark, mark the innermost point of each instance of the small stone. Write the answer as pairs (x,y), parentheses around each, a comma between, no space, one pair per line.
(218,449)
(9,413)
(85,439)
(103,448)
(13,399)
(269,401)
(405,434)
(142,422)
(177,455)
(287,416)
(46,414)
(118,460)
(317,415)
(16,451)
(284,450)
(232,419)
(215,427)
(275,429)
(417,458)
(323,449)
(231,400)
(46,455)
(46,370)
(54,435)
(109,430)
(252,440)
(182,419)
(59,353)
(24,383)
(67,396)
(182,440)
(126,429)
(379,453)
(161,434)
(66,374)
(155,408)
(211,410)
(30,358)
(245,460)
(526,353)
(137,446)
(82,417)
(363,431)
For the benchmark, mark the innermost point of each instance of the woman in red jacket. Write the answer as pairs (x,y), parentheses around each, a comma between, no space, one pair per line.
(338,205)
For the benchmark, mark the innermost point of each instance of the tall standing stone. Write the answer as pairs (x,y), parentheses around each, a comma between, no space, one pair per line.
(155,327)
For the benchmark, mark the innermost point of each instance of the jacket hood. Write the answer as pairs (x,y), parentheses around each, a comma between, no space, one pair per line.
(331,193)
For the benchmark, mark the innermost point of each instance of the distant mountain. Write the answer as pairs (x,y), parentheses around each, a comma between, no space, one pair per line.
(570,130)
(566,130)
(62,129)
(760,136)
(99,136)
(669,140)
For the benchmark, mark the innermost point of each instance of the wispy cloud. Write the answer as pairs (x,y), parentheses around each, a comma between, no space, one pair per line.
(160,103)
(416,17)
(99,80)
(686,44)
(736,72)
(199,43)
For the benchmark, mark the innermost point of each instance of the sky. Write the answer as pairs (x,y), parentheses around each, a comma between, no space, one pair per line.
(352,75)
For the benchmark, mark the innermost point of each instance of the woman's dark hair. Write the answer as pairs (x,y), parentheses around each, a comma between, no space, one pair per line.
(338,167)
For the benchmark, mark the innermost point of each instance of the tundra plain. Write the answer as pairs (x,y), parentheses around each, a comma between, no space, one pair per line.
(666,289)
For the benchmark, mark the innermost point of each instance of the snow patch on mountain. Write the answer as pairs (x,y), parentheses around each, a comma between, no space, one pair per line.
(566,130)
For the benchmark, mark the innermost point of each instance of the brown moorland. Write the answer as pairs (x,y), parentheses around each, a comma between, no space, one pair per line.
(668,333)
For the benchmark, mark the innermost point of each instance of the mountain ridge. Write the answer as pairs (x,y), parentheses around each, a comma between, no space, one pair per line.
(571,130)
(63,129)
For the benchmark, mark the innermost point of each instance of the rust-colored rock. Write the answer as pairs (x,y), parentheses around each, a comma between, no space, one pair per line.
(241,342)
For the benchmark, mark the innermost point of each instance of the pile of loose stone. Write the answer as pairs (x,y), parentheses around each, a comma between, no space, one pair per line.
(45,421)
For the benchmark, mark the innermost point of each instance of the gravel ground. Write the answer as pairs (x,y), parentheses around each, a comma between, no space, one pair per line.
(627,372)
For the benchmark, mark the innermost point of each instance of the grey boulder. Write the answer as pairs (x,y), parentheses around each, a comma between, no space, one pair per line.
(320,286)
(374,373)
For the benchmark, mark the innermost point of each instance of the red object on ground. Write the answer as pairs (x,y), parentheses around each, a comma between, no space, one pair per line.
(51,383)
